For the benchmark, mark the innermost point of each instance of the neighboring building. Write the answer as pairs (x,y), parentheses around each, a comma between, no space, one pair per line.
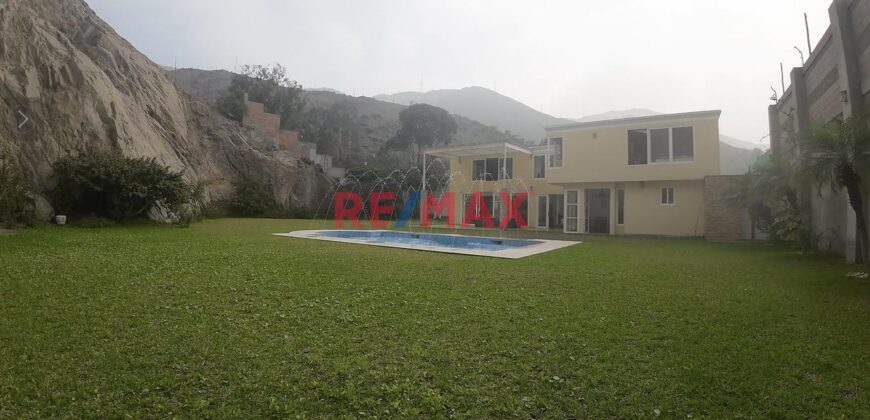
(269,127)
(834,83)
(637,176)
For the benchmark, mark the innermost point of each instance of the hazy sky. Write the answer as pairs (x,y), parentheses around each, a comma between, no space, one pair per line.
(566,58)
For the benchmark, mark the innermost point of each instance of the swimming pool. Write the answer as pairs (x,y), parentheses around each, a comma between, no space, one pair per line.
(454,244)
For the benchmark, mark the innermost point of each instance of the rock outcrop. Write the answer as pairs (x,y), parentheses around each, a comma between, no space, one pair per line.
(69,82)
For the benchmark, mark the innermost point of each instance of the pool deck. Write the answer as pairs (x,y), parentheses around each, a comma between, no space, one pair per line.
(539,246)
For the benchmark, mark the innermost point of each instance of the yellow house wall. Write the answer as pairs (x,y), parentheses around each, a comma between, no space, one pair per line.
(462,182)
(601,154)
(597,157)
(645,215)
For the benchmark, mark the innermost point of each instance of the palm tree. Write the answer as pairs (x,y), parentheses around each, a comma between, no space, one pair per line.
(838,154)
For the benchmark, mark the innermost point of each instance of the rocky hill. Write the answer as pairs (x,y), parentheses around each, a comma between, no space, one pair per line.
(484,105)
(69,82)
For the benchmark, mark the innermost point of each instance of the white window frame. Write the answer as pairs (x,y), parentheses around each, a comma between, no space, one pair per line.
(670,146)
(502,168)
(551,160)
(565,212)
(484,194)
(649,160)
(500,171)
(546,163)
(673,196)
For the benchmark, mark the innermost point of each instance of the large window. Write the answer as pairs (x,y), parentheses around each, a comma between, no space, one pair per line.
(478,170)
(540,165)
(506,171)
(492,169)
(637,147)
(683,144)
(543,208)
(668,196)
(555,152)
(661,145)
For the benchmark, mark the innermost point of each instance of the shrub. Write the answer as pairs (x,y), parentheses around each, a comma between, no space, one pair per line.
(789,226)
(117,187)
(16,207)
(216,211)
(256,199)
(252,199)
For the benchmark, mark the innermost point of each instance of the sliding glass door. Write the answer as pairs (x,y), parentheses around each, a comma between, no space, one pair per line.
(543,211)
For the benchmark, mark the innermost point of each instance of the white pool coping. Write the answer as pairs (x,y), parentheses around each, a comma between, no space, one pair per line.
(543,245)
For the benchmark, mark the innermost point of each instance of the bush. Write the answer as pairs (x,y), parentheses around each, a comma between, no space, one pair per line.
(256,199)
(117,187)
(216,211)
(788,226)
(252,199)
(16,206)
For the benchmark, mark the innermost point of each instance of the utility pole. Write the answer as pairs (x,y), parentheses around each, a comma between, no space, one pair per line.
(782,77)
(807,26)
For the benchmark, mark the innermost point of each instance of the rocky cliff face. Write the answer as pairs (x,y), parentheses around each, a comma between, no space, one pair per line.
(81,86)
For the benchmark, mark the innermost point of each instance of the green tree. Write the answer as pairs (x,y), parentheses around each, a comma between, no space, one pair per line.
(838,154)
(338,130)
(422,126)
(748,194)
(769,194)
(268,85)
(121,188)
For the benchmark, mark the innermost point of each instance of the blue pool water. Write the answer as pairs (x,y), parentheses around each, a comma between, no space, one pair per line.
(426,239)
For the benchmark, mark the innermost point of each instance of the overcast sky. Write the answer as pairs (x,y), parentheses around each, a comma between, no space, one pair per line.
(566,58)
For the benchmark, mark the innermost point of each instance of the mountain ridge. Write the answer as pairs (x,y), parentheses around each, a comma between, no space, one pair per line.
(486,106)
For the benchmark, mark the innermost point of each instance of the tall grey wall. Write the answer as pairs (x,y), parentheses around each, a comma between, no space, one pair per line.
(833,83)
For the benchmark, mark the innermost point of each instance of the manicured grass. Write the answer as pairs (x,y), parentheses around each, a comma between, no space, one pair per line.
(222,319)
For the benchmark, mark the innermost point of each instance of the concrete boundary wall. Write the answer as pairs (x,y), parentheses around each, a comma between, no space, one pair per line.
(833,83)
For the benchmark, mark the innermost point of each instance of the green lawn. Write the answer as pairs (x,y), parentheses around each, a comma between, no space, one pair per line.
(222,319)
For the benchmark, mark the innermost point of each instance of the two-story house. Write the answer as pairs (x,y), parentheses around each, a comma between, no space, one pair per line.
(634,176)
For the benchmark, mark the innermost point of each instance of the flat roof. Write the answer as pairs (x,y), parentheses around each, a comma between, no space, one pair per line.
(495,148)
(636,120)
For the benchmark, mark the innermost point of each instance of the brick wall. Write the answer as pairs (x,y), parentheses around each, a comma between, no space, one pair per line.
(269,125)
(257,117)
(723,222)
(287,140)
